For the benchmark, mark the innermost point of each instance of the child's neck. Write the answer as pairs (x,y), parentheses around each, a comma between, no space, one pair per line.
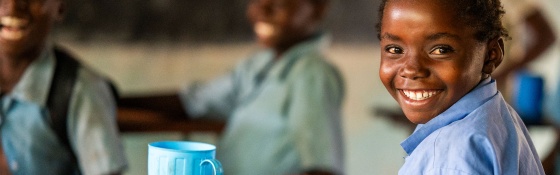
(11,71)
(282,49)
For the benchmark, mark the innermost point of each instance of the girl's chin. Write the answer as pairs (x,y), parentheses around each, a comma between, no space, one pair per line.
(417,117)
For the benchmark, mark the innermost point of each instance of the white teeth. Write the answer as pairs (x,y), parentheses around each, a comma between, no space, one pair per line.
(419,95)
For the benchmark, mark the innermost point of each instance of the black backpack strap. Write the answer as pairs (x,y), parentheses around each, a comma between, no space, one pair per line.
(58,100)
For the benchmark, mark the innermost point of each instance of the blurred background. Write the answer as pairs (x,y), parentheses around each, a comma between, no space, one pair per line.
(154,46)
(195,21)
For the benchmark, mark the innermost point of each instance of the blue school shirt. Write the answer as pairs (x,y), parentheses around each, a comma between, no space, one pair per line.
(32,147)
(284,116)
(479,134)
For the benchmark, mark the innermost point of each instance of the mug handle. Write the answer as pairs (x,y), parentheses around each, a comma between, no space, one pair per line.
(216,166)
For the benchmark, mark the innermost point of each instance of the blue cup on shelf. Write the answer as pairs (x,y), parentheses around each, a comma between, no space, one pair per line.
(528,97)
(182,158)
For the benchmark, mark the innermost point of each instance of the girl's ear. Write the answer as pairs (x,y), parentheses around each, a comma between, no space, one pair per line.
(494,56)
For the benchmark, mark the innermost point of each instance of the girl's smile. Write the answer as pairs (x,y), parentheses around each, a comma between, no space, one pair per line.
(419,95)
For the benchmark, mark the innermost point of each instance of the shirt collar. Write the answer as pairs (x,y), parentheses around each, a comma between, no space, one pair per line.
(36,80)
(485,90)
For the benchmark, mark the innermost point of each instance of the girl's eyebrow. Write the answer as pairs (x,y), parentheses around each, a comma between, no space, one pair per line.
(432,37)
(390,37)
(442,35)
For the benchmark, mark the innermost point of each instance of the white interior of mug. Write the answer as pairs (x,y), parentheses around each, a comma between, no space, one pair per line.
(183,146)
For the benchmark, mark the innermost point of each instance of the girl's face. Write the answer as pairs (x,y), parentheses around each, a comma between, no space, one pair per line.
(429,60)
(279,24)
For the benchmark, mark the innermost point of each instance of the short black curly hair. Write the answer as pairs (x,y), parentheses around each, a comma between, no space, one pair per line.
(485,16)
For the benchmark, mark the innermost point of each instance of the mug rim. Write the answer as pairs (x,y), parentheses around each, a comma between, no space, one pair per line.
(206,146)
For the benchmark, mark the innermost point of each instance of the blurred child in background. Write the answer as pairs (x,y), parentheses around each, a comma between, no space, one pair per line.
(282,104)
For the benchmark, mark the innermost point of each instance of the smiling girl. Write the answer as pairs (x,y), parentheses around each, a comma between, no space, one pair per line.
(436,61)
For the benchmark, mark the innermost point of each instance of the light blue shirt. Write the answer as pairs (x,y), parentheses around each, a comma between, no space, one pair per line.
(480,134)
(32,147)
(284,116)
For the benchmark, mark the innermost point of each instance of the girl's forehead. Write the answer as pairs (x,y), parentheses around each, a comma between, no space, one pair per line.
(420,10)
(428,10)
(449,7)
(425,20)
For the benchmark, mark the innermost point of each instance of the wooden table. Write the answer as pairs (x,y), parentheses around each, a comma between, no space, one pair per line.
(139,120)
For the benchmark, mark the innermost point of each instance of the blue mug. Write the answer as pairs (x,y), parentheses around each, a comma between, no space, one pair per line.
(182,158)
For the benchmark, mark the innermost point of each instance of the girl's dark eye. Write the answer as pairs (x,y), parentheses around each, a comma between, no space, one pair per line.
(440,50)
(394,50)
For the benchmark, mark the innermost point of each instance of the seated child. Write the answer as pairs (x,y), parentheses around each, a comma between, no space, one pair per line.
(436,61)
(282,104)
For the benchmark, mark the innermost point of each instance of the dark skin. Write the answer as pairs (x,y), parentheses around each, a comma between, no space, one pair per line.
(429,60)
(278,25)
(25,26)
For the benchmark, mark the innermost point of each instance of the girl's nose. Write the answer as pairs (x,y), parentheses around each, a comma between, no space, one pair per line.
(413,68)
